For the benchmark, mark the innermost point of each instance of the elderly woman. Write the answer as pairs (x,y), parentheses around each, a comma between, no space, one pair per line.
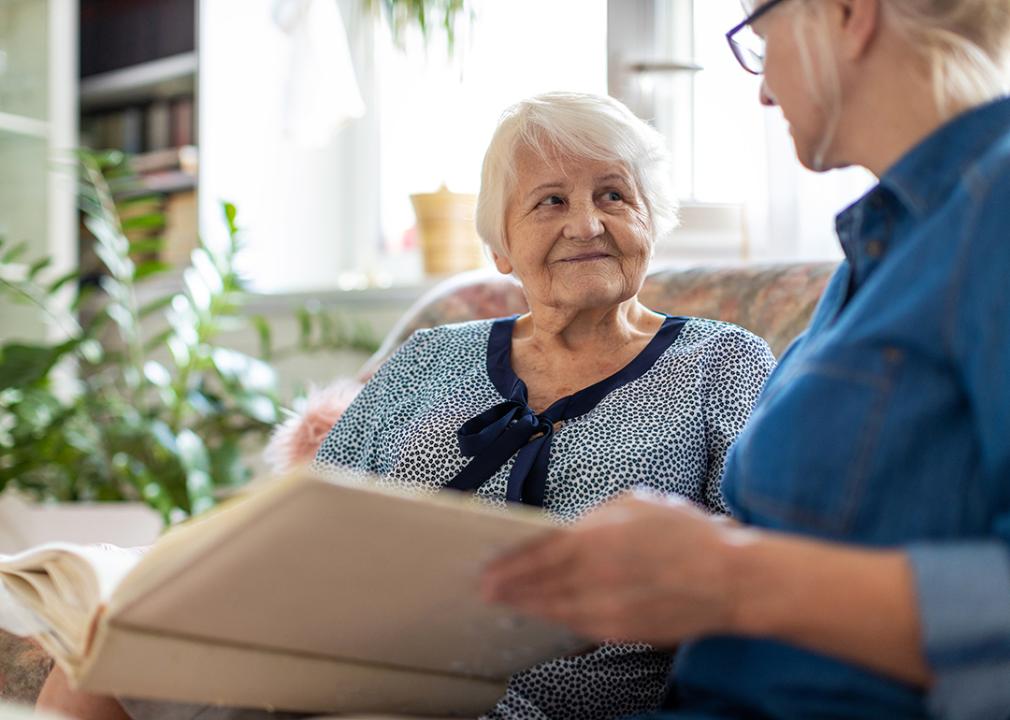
(588,395)
(871,577)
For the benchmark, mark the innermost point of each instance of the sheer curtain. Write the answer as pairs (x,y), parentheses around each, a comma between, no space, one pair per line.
(299,165)
(438,114)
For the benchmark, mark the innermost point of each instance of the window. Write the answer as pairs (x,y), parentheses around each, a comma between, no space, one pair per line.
(437,117)
(671,64)
(336,213)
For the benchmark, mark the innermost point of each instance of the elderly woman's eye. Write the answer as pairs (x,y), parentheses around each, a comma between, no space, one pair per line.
(552,200)
(614,196)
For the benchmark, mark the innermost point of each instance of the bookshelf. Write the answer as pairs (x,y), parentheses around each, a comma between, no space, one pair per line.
(163,77)
(137,93)
(38,126)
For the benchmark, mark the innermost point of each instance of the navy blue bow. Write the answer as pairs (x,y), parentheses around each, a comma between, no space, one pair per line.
(492,437)
(512,428)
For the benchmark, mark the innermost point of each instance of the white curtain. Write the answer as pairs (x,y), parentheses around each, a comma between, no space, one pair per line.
(794,218)
(279,138)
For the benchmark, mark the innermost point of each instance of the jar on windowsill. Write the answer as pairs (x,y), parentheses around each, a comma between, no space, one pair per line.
(446,231)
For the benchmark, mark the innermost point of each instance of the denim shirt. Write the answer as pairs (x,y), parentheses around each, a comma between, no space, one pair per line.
(887,424)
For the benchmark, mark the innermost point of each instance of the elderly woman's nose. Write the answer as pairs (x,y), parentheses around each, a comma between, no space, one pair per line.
(584,221)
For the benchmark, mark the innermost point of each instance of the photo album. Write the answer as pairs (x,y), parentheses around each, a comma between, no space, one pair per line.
(304,593)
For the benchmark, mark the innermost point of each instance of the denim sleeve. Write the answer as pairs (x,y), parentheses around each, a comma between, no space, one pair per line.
(964,587)
(964,603)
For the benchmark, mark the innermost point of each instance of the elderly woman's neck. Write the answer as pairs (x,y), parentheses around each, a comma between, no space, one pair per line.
(579,330)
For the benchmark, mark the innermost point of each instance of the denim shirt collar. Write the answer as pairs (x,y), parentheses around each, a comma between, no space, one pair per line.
(915,184)
(932,169)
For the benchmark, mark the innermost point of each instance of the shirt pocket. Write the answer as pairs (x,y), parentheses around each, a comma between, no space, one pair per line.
(813,446)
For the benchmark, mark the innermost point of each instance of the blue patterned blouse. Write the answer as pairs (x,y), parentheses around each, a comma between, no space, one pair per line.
(448,406)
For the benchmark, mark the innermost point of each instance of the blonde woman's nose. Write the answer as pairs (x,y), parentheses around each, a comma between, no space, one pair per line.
(765,95)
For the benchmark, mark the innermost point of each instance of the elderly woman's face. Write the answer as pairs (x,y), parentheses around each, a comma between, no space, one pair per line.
(578,234)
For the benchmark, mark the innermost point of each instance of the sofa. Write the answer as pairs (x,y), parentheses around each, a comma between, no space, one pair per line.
(773,301)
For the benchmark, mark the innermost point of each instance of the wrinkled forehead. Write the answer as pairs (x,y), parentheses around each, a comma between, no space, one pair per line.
(552,163)
(529,162)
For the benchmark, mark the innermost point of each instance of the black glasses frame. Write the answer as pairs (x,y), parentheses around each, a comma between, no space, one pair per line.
(739,52)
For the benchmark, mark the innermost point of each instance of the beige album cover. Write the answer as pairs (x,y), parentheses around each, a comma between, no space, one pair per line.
(309,594)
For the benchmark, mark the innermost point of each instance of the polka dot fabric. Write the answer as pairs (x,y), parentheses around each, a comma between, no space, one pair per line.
(668,430)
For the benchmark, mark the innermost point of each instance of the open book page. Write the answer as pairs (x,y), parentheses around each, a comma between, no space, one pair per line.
(55,591)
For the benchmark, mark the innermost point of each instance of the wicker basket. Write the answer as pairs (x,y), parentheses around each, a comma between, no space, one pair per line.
(445,228)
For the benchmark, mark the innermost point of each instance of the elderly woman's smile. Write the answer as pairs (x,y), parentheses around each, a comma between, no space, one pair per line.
(586,257)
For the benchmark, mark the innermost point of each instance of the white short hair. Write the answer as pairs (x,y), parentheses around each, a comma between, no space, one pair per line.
(577,125)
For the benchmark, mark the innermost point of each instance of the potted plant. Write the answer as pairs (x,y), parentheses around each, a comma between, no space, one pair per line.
(158,410)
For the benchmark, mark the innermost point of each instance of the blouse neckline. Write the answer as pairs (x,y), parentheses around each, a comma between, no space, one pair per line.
(511,387)
(511,428)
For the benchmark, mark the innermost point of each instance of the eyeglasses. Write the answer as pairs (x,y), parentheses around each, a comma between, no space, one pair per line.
(747,46)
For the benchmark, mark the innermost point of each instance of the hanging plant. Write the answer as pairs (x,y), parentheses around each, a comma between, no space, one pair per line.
(425,15)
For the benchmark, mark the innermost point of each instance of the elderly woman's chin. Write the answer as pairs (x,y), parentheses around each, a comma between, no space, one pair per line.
(597,284)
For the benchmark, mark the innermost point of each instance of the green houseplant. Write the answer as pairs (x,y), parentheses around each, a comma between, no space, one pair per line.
(152,406)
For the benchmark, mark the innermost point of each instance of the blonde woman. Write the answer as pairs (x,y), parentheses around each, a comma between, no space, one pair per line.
(869,573)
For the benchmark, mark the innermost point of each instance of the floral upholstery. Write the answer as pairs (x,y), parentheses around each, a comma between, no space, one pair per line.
(474,295)
(773,301)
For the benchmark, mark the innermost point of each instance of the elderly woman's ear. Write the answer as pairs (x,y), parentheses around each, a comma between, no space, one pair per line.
(502,262)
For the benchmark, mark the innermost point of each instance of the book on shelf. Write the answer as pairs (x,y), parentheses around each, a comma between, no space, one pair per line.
(183,121)
(179,235)
(173,158)
(305,593)
(115,34)
(132,129)
(158,125)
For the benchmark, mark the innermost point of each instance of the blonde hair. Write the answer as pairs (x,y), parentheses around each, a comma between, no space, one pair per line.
(579,125)
(826,89)
(965,42)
